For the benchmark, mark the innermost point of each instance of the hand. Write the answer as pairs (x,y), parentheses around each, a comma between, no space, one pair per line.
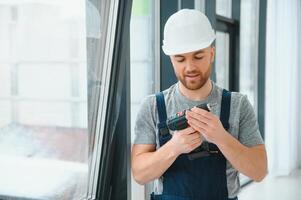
(186,140)
(206,123)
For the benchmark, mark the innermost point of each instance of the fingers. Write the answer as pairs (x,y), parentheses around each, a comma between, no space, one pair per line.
(197,116)
(187,131)
(195,136)
(202,112)
(195,144)
(184,142)
(192,144)
(198,125)
(191,138)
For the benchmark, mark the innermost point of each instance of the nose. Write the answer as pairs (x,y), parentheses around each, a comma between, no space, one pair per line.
(190,65)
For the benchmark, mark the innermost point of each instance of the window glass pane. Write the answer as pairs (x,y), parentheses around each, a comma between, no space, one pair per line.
(224,8)
(249,49)
(43,100)
(249,54)
(200,5)
(142,65)
(5,77)
(222,59)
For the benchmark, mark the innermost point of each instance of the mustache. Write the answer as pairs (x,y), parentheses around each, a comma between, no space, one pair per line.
(191,73)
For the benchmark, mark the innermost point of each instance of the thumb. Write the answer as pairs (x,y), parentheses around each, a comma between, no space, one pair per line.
(187,131)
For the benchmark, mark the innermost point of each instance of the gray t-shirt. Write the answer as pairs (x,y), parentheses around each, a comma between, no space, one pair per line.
(242,120)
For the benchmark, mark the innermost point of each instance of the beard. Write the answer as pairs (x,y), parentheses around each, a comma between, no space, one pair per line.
(194,80)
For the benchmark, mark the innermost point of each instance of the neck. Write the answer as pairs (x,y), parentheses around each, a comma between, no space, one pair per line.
(199,94)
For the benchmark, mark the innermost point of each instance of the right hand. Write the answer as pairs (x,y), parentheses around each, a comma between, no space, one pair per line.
(185,141)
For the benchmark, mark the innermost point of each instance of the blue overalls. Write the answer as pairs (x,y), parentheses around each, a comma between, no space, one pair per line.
(199,179)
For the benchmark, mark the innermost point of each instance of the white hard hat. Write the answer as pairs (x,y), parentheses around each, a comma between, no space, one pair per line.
(186,31)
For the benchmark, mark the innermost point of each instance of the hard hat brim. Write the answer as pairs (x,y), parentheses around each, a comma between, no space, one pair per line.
(182,49)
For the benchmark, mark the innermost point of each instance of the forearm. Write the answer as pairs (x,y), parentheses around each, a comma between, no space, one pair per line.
(151,165)
(252,162)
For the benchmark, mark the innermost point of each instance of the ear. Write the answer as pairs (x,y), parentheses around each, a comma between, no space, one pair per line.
(212,53)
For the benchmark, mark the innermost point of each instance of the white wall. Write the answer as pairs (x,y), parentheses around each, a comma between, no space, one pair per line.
(282,86)
(299,83)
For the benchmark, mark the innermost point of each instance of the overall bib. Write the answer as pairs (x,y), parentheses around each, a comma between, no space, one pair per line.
(199,179)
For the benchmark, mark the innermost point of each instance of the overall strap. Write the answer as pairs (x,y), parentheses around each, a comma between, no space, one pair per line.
(163,129)
(225,108)
(224,116)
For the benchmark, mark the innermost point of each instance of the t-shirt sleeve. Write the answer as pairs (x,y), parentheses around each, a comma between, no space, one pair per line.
(145,127)
(249,134)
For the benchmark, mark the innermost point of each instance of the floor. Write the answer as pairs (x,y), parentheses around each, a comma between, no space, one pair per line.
(39,162)
(274,188)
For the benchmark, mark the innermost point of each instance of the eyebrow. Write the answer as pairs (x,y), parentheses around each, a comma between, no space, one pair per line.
(198,52)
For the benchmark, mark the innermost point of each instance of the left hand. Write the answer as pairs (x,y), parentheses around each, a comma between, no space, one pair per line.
(206,123)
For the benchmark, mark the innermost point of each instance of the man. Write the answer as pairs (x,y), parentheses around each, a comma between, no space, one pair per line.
(230,129)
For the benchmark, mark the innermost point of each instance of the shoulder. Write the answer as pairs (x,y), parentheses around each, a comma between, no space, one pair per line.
(170,91)
(242,108)
(240,105)
(238,98)
(149,101)
(240,102)
(148,106)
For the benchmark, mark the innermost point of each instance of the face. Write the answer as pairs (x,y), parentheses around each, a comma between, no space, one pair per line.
(193,69)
